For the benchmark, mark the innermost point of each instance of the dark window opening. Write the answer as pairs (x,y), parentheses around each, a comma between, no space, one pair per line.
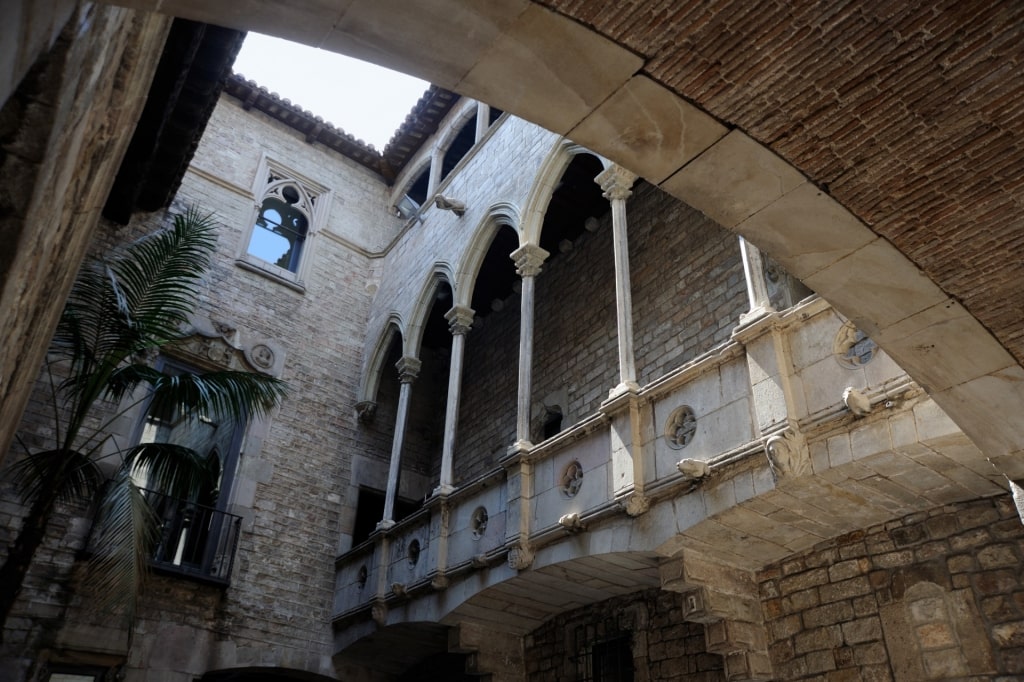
(575,199)
(280,231)
(608,661)
(370,510)
(552,420)
(415,195)
(196,536)
(459,147)
(493,115)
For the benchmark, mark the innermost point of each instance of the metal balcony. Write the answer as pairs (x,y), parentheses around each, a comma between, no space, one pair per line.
(194,540)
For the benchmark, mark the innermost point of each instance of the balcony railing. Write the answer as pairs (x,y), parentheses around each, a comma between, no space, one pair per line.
(194,540)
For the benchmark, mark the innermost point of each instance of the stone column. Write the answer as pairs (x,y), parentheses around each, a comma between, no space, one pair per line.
(483,115)
(528,259)
(616,182)
(408,369)
(460,319)
(757,286)
(436,166)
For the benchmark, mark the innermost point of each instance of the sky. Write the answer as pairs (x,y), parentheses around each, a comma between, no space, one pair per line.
(365,100)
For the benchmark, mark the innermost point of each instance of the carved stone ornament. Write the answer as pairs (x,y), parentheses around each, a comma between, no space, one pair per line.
(681,427)
(572,479)
(852,348)
(787,454)
(262,356)
(362,577)
(636,504)
(520,557)
(379,613)
(478,522)
(413,553)
(366,410)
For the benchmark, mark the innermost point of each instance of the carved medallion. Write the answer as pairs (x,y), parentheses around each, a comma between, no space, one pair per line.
(262,356)
(363,575)
(852,347)
(413,553)
(572,479)
(681,428)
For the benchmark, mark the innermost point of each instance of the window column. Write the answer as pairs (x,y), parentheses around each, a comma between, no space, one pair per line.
(528,259)
(408,369)
(757,285)
(616,182)
(460,320)
(436,166)
(483,118)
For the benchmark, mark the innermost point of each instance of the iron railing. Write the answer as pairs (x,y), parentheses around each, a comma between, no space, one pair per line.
(195,540)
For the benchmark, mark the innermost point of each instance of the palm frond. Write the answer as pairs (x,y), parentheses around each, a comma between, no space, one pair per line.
(124,534)
(72,476)
(172,469)
(138,300)
(227,394)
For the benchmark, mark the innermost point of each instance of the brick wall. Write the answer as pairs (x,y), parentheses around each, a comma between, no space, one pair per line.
(935,595)
(663,646)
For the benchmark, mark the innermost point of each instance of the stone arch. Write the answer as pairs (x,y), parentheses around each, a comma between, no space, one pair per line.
(409,177)
(551,170)
(467,111)
(375,367)
(441,272)
(498,215)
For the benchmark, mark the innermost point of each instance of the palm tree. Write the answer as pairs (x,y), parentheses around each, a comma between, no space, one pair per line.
(119,312)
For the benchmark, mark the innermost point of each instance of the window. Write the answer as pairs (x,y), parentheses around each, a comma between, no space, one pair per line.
(197,536)
(280,231)
(610,660)
(288,211)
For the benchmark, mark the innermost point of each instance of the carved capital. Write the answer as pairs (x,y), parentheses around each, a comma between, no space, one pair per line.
(528,259)
(520,557)
(408,369)
(366,410)
(460,319)
(787,453)
(616,182)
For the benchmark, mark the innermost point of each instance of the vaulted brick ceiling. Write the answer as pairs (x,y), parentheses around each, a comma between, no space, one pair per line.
(909,114)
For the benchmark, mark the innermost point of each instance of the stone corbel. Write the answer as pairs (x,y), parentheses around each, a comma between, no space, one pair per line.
(520,556)
(366,410)
(636,504)
(787,454)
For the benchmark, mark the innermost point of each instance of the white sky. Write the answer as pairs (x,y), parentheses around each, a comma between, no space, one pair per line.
(365,100)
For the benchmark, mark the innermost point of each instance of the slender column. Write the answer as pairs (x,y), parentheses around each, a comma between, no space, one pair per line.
(528,259)
(616,182)
(460,319)
(483,115)
(436,165)
(757,286)
(408,369)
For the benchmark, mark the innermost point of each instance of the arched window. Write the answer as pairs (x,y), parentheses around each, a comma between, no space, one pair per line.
(288,212)
(280,230)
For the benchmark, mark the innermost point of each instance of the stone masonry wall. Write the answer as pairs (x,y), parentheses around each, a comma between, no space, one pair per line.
(293,469)
(935,595)
(664,647)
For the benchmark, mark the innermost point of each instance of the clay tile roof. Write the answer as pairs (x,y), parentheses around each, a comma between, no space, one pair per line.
(421,122)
